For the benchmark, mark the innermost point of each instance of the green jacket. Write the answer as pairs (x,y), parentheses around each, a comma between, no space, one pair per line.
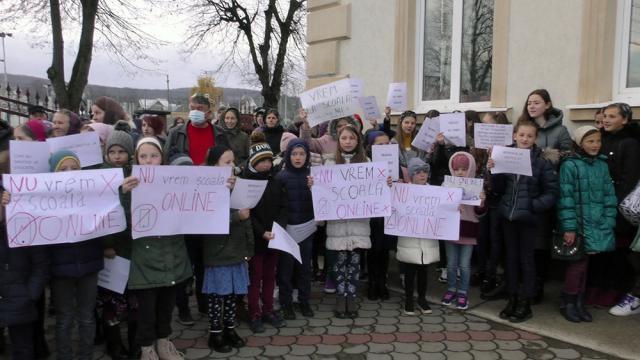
(121,242)
(158,261)
(593,209)
(220,250)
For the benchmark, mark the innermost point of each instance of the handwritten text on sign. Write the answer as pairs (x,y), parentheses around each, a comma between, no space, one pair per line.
(423,211)
(63,207)
(453,127)
(389,154)
(397,96)
(29,157)
(511,160)
(352,191)
(180,200)
(486,135)
(427,134)
(328,102)
(471,188)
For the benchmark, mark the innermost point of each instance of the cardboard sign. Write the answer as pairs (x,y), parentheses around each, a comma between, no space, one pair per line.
(485,135)
(351,191)
(328,102)
(397,96)
(115,274)
(511,160)
(247,193)
(29,157)
(357,88)
(424,211)
(174,200)
(284,242)
(471,188)
(389,154)
(369,106)
(426,136)
(63,207)
(85,145)
(454,128)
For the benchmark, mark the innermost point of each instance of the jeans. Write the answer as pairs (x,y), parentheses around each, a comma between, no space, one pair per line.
(520,240)
(458,258)
(290,270)
(22,345)
(262,275)
(155,312)
(75,297)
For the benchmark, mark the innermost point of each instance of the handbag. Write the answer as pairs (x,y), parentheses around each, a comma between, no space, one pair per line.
(575,251)
(630,206)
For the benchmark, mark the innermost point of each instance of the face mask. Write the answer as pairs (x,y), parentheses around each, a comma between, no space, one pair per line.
(196,116)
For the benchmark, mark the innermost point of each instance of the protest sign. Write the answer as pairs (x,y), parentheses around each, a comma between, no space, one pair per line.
(454,128)
(63,207)
(357,88)
(426,136)
(247,193)
(283,242)
(397,96)
(471,188)
(351,191)
(180,200)
(29,157)
(370,108)
(423,211)
(85,145)
(388,154)
(511,160)
(328,102)
(115,274)
(485,135)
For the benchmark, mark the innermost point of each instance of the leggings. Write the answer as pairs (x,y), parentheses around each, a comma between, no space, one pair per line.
(222,312)
(347,270)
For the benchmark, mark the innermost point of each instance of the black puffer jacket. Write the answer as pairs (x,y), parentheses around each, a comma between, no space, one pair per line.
(294,181)
(273,136)
(523,198)
(23,276)
(77,259)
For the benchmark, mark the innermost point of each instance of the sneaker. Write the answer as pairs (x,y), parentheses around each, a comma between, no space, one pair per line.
(408,308)
(306,310)
(629,305)
(185,318)
(256,326)
(424,306)
(288,312)
(448,298)
(462,303)
(443,276)
(275,319)
(329,286)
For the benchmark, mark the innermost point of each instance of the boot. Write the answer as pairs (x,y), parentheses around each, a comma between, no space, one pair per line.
(372,290)
(508,310)
(148,353)
(522,312)
(232,338)
(341,307)
(569,308)
(134,349)
(383,292)
(495,290)
(115,348)
(352,307)
(167,351)
(218,343)
(582,311)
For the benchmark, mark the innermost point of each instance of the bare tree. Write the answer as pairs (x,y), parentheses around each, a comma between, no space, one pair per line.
(262,34)
(113,21)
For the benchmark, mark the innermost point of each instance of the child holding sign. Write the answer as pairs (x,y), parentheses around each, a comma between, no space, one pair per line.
(158,263)
(523,198)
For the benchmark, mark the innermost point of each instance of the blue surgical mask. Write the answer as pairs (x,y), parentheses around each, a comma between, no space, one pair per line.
(196,117)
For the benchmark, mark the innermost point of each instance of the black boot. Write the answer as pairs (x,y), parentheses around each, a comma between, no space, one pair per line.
(508,310)
(115,348)
(582,311)
(372,290)
(569,308)
(522,312)
(218,343)
(232,338)
(494,289)
(352,307)
(135,351)
(340,310)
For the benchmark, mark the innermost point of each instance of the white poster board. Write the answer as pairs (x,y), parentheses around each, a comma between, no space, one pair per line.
(357,88)
(454,128)
(63,207)
(389,154)
(511,160)
(85,145)
(29,157)
(369,106)
(397,96)
(284,242)
(424,211)
(426,136)
(115,274)
(247,193)
(328,102)
(351,191)
(174,200)
(486,135)
(471,188)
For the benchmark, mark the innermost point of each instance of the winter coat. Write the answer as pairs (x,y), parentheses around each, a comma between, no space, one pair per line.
(158,261)
(237,246)
(417,251)
(271,208)
(273,136)
(523,198)
(300,204)
(439,162)
(121,242)
(553,134)
(622,150)
(24,273)
(348,234)
(178,139)
(588,202)
(239,142)
(77,259)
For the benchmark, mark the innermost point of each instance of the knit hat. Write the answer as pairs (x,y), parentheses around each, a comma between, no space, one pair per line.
(149,140)
(181,159)
(122,139)
(371,137)
(38,129)
(103,130)
(215,153)
(285,139)
(460,161)
(258,152)
(59,156)
(580,133)
(416,165)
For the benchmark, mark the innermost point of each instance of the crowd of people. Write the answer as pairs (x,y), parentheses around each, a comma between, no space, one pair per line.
(577,182)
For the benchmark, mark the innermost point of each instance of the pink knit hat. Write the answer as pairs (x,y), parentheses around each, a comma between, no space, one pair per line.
(284,140)
(38,129)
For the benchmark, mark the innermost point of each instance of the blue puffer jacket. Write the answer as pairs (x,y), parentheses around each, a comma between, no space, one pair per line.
(77,259)
(295,182)
(523,198)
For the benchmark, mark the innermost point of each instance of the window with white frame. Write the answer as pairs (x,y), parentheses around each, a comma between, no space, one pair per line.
(455,44)
(628,51)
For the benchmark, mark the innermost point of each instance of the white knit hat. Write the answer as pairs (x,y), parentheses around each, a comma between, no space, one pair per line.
(579,133)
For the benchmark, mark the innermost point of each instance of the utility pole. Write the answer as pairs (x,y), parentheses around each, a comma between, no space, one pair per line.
(4,62)
(168,100)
